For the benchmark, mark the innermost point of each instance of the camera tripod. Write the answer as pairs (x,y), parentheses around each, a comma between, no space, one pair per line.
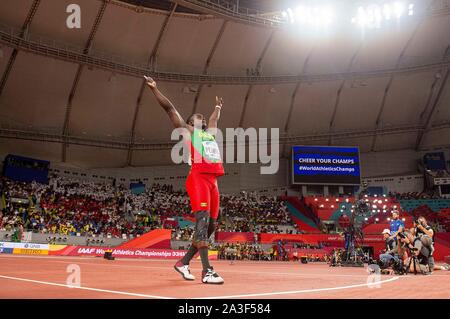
(413,259)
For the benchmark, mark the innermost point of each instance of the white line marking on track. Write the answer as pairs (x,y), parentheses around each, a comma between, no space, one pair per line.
(300,291)
(85,288)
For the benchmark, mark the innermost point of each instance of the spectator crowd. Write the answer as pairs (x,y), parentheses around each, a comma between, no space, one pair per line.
(72,207)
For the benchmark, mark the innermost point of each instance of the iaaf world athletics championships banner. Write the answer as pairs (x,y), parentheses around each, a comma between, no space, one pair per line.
(120,253)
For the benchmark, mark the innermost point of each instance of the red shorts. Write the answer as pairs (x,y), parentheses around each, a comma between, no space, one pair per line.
(203,193)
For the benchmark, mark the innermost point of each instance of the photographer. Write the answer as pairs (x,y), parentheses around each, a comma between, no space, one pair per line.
(425,233)
(390,254)
(418,250)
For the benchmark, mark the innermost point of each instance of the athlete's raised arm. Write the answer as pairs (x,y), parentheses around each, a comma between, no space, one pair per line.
(170,109)
(214,118)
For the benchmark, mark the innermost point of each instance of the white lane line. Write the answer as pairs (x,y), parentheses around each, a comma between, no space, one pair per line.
(85,288)
(301,291)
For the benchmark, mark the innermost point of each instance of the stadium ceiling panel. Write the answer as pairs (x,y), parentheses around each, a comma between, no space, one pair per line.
(147,158)
(186,45)
(407,99)
(5,53)
(233,97)
(443,111)
(287,53)
(430,43)
(396,141)
(239,49)
(164,5)
(50,22)
(436,138)
(268,106)
(153,123)
(332,54)
(93,157)
(14,12)
(35,95)
(127,35)
(107,110)
(358,103)
(380,49)
(313,108)
(34,149)
(37,89)
(362,142)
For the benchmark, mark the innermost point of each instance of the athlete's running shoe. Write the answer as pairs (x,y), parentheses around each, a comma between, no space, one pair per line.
(184,271)
(211,277)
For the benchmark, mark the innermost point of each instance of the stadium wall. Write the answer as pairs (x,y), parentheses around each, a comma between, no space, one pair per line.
(400,184)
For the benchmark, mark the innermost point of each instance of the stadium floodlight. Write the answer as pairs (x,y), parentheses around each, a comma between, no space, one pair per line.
(411,9)
(318,16)
(399,9)
(387,12)
(290,15)
(373,15)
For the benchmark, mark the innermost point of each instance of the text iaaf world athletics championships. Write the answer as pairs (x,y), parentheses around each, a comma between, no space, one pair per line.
(128,252)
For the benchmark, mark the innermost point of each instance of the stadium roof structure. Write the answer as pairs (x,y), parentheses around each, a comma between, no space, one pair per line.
(78,96)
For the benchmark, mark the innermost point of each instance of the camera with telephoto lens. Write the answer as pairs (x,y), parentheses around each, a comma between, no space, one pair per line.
(398,267)
(401,235)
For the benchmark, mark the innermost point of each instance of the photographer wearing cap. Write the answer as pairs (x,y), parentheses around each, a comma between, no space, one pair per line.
(390,254)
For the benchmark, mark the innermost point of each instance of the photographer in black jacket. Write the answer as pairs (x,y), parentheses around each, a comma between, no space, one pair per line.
(416,249)
(425,233)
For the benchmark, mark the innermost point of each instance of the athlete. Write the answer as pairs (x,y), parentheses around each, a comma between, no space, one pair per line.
(201,184)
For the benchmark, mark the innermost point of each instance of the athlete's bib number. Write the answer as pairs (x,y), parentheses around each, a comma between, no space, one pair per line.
(211,150)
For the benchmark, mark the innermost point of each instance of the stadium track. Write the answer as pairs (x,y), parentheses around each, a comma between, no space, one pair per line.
(46,277)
